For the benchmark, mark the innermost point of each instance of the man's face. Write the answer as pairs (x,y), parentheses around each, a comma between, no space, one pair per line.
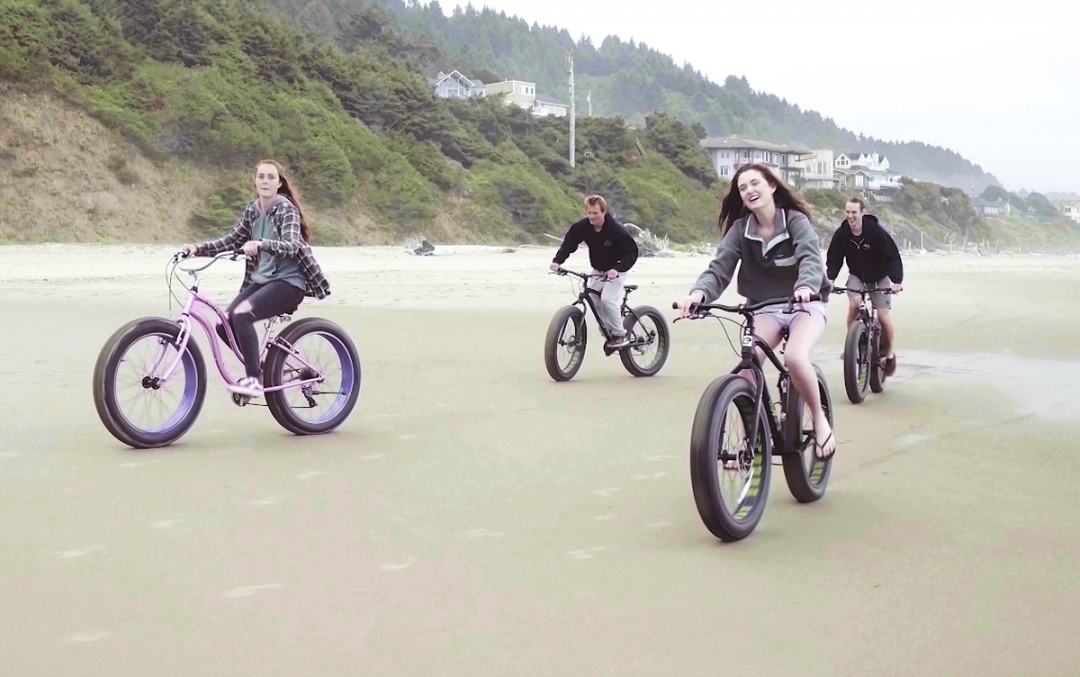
(595,214)
(853,212)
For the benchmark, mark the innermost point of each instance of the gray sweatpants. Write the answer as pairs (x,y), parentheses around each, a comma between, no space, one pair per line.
(610,298)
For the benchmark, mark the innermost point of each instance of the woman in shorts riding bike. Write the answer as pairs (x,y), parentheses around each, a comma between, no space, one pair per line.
(767,227)
(281,271)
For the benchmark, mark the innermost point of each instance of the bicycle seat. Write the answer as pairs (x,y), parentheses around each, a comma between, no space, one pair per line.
(630,287)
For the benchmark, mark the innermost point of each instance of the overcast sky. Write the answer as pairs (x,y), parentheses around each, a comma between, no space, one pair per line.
(999,86)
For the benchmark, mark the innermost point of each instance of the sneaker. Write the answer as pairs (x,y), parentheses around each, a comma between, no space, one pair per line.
(247,386)
(620,342)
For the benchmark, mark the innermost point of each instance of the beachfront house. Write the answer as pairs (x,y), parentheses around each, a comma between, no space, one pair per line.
(728,153)
(454,85)
(1070,209)
(519,93)
(987,207)
(818,170)
(866,172)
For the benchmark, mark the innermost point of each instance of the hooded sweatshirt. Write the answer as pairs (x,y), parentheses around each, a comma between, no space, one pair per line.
(871,256)
(770,270)
(611,248)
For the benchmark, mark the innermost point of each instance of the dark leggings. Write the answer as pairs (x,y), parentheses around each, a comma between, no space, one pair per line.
(265,301)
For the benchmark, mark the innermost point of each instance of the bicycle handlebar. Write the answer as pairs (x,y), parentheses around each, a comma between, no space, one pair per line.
(213,259)
(583,276)
(864,292)
(703,308)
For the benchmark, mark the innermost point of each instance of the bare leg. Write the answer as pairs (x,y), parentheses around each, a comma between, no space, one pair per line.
(806,331)
(852,311)
(885,319)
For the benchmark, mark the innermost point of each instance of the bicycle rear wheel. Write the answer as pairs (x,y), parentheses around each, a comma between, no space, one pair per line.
(877,372)
(806,474)
(647,325)
(729,478)
(564,346)
(132,401)
(857,362)
(322,349)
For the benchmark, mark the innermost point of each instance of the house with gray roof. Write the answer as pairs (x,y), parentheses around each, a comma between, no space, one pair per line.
(729,153)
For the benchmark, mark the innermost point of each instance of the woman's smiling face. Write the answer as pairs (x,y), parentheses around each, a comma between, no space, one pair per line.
(755,191)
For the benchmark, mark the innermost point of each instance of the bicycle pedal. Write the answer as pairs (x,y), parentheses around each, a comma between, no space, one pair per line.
(240,400)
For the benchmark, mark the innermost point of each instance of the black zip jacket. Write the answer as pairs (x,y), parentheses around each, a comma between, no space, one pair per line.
(872,256)
(612,247)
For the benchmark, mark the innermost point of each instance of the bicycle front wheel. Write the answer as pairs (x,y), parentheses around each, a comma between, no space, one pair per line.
(320,368)
(564,346)
(857,362)
(806,474)
(729,477)
(133,400)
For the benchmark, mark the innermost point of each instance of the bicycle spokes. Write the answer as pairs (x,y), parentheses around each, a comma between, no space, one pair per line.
(145,400)
(318,377)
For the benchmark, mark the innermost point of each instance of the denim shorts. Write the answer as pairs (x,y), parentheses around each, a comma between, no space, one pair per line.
(779,312)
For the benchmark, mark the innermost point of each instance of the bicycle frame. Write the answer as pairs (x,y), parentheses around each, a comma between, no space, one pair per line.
(585,298)
(750,360)
(190,313)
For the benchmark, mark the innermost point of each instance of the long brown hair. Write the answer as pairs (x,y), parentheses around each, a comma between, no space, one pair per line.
(732,208)
(288,190)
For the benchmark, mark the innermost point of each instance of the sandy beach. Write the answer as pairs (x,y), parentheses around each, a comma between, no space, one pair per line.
(473,517)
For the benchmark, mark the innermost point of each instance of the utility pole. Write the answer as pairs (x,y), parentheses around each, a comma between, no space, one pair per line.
(570,70)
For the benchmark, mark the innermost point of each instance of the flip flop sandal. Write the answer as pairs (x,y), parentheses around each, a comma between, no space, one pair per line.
(822,446)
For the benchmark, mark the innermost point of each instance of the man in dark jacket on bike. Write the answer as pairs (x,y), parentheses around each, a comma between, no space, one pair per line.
(612,252)
(873,263)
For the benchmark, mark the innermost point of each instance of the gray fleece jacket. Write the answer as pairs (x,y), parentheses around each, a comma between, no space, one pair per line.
(774,269)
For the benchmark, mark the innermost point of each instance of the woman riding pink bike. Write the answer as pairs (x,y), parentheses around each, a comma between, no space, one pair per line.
(281,270)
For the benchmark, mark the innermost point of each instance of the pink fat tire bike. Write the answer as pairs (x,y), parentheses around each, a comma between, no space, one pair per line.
(150,378)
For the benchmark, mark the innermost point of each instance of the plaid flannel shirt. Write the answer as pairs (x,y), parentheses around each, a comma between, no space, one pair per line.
(286,220)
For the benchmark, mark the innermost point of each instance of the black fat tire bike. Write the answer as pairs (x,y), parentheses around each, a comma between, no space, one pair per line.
(736,431)
(862,349)
(567,334)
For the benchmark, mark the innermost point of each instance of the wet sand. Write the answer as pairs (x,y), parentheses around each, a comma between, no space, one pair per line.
(475,518)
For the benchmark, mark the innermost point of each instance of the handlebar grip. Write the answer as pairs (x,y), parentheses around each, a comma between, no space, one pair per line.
(674,305)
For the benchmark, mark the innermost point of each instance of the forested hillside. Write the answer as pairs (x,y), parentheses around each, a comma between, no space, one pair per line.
(626,78)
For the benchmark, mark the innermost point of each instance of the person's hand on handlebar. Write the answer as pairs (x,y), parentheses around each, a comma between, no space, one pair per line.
(686,304)
(896,288)
(251,248)
(803,294)
(611,274)
(555,267)
(185,251)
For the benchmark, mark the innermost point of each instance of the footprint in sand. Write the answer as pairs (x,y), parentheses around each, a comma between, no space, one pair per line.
(586,553)
(248,590)
(72,554)
(606,493)
(86,636)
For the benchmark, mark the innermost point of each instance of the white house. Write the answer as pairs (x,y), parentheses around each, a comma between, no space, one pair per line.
(986,207)
(1069,208)
(523,94)
(545,106)
(728,153)
(818,170)
(866,172)
(454,85)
